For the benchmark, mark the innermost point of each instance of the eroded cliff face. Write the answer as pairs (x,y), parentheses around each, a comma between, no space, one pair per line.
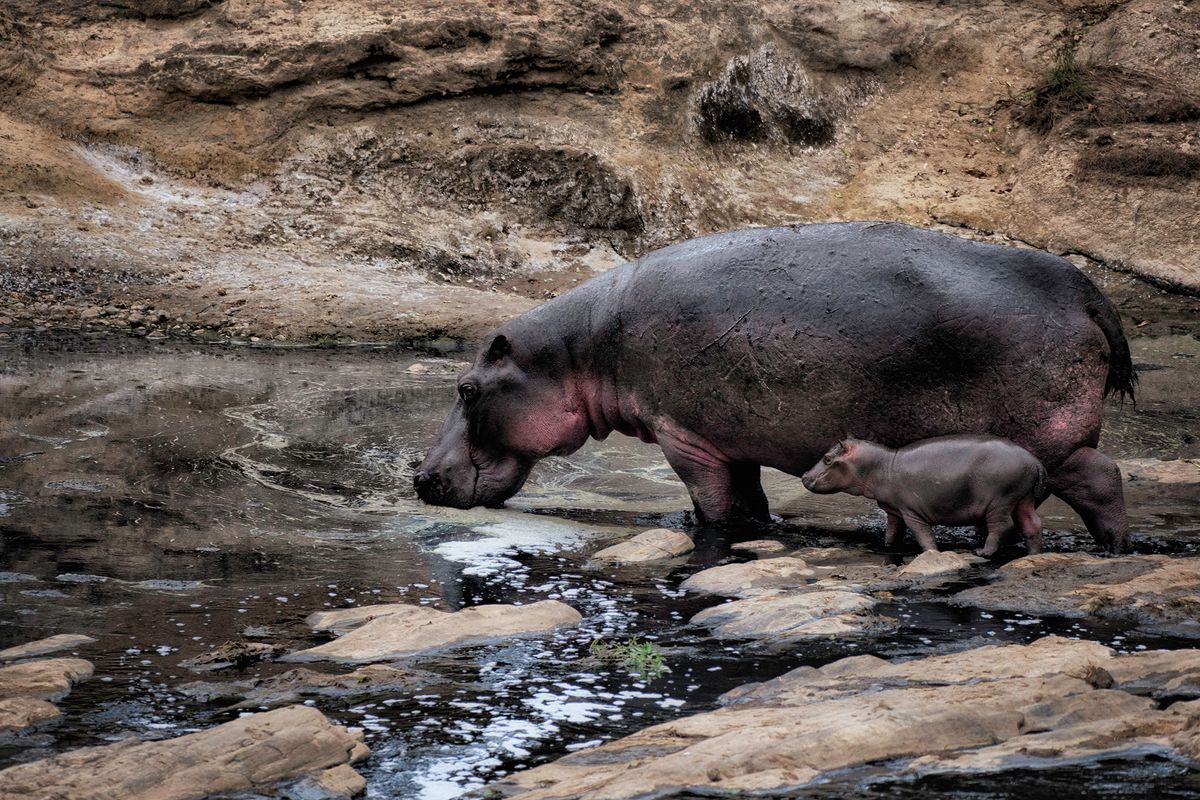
(371,169)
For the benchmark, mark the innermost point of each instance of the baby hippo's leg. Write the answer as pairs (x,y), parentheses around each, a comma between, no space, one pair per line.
(922,531)
(1029,523)
(895,529)
(998,522)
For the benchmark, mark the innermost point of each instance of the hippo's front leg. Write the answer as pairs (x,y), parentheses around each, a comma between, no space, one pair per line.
(722,490)
(895,528)
(923,531)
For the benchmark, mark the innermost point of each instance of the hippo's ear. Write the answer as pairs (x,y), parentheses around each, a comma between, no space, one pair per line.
(499,348)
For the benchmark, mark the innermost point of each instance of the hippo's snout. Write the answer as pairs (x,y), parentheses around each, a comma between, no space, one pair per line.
(811,477)
(818,480)
(436,491)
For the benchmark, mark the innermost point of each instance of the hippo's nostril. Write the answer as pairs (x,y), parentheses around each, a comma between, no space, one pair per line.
(421,480)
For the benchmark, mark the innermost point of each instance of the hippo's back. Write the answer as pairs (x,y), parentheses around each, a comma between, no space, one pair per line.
(774,342)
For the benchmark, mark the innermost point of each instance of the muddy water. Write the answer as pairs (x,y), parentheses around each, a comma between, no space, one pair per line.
(167,498)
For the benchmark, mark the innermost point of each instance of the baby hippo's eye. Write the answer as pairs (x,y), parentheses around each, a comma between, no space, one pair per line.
(827,460)
(467,391)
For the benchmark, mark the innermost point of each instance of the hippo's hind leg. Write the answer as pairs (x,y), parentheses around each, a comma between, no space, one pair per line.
(722,491)
(1029,523)
(997,523)
(1090,483)
(749,499)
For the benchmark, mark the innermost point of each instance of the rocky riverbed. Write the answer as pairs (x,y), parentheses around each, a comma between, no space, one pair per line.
(183,522)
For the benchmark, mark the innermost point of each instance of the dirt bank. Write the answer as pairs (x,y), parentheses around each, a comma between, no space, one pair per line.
(363,170)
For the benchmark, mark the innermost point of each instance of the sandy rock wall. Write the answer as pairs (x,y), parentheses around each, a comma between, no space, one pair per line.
(374,169)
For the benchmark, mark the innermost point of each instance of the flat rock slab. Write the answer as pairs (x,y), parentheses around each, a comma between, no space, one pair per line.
(652,545)
(759,546)
(789,617)
(295,684)
(21,713)
(341,620)
(42,647)
(751,577)
(1053,702)
(935,564)
(340,783)
(1153,591)
(250,753)
(416,632)
(49,679)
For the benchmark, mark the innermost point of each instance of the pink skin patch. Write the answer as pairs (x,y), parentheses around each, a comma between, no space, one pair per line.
(604,410)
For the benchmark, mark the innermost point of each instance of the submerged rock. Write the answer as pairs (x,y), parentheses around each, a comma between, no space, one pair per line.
(419,630)
(290,686)
(232,655)
(250,753)
(751,577)
(1182,470)
(759,547)
(652,545)
(787,617)
(1152,591)
(41,647)
(981,710)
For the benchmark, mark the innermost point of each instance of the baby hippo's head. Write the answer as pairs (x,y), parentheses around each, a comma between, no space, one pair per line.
(839,470)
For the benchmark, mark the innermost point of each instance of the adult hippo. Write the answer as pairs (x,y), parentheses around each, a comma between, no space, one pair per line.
(764,346)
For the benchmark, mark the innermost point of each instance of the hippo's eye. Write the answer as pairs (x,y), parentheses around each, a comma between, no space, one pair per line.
(467,391)
(827,460)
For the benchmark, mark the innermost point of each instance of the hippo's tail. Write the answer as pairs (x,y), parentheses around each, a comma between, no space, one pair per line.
(1122,378)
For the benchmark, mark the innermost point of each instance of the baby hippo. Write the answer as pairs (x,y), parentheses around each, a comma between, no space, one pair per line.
(947,480)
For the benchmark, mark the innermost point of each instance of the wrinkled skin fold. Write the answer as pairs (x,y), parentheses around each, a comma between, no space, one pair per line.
(763,347)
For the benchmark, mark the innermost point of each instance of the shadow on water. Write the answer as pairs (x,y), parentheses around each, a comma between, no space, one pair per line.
(168,498)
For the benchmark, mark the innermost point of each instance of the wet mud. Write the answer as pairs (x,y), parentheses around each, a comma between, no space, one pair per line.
(168,498)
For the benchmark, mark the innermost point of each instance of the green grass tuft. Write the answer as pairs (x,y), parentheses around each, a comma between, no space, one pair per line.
(1063,91)
(636,655)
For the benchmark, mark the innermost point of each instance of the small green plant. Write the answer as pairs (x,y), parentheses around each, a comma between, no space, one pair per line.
(636,655)
(1066,79)
(1063,91)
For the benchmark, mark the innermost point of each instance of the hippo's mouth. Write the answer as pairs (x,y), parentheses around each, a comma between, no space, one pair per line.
(497,480)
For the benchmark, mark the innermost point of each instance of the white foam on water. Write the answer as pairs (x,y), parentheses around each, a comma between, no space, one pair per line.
(462,769)
(495,552)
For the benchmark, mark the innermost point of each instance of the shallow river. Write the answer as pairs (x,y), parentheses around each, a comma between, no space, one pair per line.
(168,497)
